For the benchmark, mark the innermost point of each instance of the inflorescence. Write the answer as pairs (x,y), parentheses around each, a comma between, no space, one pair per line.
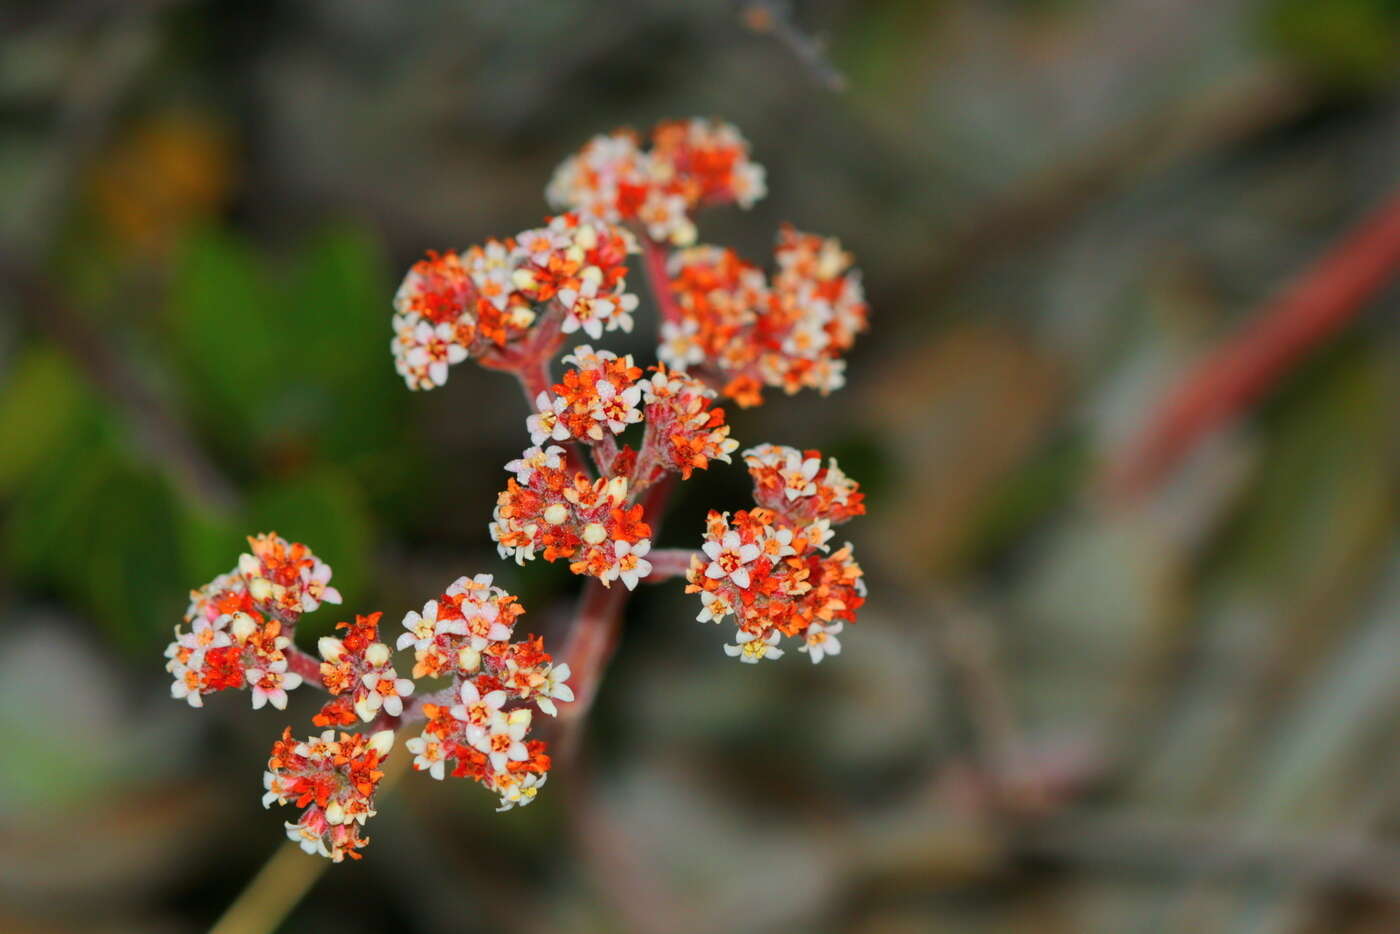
(726,330)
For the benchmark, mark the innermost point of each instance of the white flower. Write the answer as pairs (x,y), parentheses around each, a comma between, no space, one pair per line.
(586,309)
(554,689)
(478,711)
(429,755)
(749,183)
(665,218)
(503,739)
(186,686)
(752,648)
(629,563)
(714,608)
(536,245)
(494,284)
(483,624)
(797,475)
(622,317)
(586,358)
(821,641)
(819,533)
(311,842)
(275,790)
(617,409)
(385,690)
(315,585)
(841,485)
(728,557)
(680,347)
(435,349)
(520,791)
(545,425)
(318,747)
(533,459)
(205,634)
(421,628)
(479,585)
(778,543)
(270,685)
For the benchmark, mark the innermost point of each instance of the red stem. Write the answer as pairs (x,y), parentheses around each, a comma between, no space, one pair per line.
(534,378)
(1245,367)
(654,263)
(596,631)
(667,563)
(304,664)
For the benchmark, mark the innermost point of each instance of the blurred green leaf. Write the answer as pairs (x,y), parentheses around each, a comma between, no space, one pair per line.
(104,531)
(352,398)
(46,531)
(1045,482)
(1352,43)
(1325,474)
(209,544)
(230,333)
(325,510)
(39,410)
(134,560)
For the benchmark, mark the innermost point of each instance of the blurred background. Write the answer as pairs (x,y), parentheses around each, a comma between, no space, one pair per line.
(1120,671)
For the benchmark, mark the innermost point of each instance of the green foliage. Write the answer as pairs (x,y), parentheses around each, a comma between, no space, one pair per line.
(41,407)
(1351,43)
(1325,479)
(104,530)
(289,361)
(281,369)
(324,508)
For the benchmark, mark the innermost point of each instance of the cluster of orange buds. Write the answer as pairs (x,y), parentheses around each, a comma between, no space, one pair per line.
(466,633)
(772,567)
(750,332)
(358,672)
(597,524)
(691,164)
(604,394)
(240,624)
(470,618)
(569,275)
(334,779)
(685,431)
(564,514)
(285,578)
(486,731)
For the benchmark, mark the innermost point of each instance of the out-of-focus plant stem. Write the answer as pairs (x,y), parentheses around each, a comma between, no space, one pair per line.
(667,563)
(285,879)
(654,262)
(595,633)
(1242,369)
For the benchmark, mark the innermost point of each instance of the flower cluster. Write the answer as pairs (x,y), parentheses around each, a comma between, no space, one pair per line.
(570,272)
(285,578)
(449,636)
(788,332)
(241,628)
(466,633)
(358,672)
(727,329)
(598,397)
(334,779)
(567,515)
(772,567)
(549,507)
(691,164)
(240,624)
